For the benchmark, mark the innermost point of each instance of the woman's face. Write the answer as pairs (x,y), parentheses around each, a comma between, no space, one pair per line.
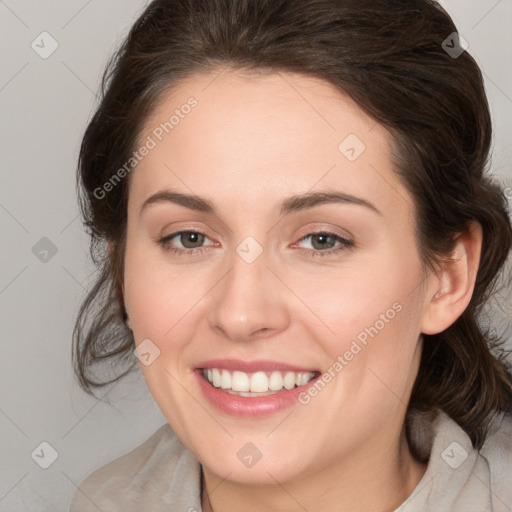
(301,264)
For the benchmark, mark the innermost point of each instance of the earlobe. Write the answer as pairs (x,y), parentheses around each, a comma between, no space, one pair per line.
(455,282)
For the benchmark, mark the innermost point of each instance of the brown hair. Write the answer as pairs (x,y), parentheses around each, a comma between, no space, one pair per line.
(389,57)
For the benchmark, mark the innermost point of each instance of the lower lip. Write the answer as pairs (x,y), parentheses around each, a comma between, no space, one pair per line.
(252,407)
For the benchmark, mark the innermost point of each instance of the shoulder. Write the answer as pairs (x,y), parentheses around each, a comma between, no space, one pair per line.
(497,451)
(158,472)
(459,477)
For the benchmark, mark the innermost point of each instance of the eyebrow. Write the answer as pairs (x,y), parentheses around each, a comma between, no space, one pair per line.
(291,204)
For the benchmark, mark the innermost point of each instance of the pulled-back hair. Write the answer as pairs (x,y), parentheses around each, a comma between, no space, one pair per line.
(402,63)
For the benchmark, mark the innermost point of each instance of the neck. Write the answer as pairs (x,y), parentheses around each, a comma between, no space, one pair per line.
(374,479)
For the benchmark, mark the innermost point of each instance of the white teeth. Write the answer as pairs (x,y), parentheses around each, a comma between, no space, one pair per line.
(215,379)
(225,379)
(276,381)
(239,381)
(289,380)
(258,383)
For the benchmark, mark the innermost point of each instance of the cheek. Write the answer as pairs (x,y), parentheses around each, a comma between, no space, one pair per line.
(159,296)
(366,299)
(370,318)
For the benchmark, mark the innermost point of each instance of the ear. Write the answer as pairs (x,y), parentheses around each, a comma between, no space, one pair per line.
(452,288)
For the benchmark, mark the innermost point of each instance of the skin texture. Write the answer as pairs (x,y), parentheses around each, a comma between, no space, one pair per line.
(253,140)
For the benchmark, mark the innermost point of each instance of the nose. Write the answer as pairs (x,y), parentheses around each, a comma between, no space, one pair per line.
(247,303)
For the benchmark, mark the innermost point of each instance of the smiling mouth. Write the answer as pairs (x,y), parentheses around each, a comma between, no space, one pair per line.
(256,384)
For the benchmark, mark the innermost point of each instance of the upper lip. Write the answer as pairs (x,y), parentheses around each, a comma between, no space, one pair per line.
(251,366)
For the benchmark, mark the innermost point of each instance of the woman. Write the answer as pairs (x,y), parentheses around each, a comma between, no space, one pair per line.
(298,238)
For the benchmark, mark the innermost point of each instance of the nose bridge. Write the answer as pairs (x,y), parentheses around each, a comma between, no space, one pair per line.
(245,304)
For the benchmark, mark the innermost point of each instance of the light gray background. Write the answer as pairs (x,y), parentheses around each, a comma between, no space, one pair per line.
(45,105)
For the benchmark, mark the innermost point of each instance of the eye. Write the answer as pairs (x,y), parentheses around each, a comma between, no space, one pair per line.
(185,242)
(325,243)
(322,243)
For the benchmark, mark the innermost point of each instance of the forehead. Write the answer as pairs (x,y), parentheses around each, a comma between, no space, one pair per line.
(255,135)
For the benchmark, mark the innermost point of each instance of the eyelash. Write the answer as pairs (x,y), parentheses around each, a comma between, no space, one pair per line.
(311,253)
